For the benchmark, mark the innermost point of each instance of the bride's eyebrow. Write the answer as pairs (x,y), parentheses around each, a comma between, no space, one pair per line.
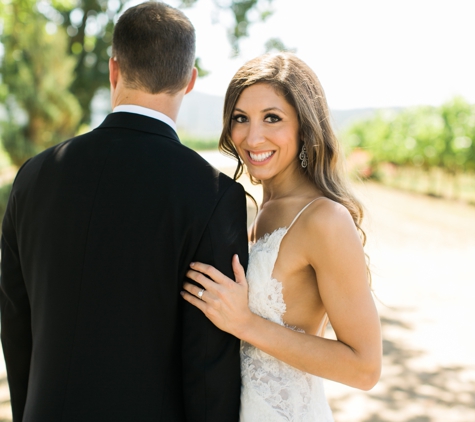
(273,109)
(263,111)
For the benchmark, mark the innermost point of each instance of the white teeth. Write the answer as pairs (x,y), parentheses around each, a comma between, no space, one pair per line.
(260,157)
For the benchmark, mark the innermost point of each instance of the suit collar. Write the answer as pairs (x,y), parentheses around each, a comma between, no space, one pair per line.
(139,123)
(134,108)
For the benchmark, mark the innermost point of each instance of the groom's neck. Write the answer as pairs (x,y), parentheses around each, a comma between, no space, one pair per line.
(162,102)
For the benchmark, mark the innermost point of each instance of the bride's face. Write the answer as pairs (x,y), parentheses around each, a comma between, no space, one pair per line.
(265,131)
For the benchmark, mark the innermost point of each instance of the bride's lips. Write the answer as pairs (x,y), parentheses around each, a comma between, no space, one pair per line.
(258,158)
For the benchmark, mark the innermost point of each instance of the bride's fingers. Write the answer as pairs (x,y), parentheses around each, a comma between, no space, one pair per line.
(202,280)
(200,304)
(210,271)
(238,269)
(195,291)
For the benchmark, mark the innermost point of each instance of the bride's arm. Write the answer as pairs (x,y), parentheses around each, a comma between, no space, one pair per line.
(338,260)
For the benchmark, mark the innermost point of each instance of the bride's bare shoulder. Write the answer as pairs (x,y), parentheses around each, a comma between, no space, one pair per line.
(326,219)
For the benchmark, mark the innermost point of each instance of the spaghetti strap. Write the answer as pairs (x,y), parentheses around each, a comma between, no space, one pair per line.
(302,210)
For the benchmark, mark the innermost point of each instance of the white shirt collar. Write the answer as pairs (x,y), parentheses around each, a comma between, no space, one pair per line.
(144,111)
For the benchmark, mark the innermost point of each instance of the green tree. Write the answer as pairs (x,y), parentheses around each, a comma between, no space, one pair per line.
(36,76)
(89,25)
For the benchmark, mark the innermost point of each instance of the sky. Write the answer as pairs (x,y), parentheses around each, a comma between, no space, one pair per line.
(366,53)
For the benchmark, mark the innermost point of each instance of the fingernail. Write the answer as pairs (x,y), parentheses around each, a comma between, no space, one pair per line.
(237,257)
(182,293)
(192,264)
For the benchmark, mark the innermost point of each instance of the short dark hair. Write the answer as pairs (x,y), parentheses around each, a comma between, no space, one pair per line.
(155,46)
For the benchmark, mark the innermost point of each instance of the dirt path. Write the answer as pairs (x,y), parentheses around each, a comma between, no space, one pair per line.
(423,254)
(423,262)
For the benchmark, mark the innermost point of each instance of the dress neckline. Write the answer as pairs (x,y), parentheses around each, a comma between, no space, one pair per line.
(282,231)
(266,236)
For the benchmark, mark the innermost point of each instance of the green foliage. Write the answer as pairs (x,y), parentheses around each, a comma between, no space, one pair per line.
(4,195)
(276,45)
(89,25)
(5,161)
(201,72)
(458,135)
(199,144)
(241,11)
(36,75)
(423,137)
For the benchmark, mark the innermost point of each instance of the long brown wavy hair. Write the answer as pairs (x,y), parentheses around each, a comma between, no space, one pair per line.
(299,85)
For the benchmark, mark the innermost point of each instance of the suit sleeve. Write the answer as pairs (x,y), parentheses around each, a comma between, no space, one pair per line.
(15,315)
(211,364)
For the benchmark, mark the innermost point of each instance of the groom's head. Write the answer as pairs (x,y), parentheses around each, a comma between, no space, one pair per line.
(154,45)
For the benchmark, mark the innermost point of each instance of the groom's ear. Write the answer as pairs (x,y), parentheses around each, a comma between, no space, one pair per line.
(113,72)
(191,84)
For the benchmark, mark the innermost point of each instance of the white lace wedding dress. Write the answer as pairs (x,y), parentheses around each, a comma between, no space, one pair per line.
(273,391)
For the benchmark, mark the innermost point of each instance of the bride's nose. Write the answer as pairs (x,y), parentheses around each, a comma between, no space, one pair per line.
(256,135)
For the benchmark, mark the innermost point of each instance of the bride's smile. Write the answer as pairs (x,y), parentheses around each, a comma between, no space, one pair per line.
(259,158)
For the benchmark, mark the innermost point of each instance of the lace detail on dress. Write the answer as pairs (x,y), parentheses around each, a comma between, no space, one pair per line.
(266,298)
(272,390)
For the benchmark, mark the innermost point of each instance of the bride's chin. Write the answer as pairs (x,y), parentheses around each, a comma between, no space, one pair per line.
(258,176)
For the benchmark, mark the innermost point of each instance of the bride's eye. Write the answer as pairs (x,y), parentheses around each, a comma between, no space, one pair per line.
(272,118)
(240,118)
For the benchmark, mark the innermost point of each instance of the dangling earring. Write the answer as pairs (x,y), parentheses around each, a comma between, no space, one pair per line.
(303,157)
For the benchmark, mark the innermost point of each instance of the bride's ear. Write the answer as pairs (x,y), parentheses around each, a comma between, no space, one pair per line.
(191,84)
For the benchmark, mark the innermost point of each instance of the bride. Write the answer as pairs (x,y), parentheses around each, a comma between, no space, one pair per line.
(306,264)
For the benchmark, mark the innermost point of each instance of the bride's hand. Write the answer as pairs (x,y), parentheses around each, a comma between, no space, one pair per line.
(223,301)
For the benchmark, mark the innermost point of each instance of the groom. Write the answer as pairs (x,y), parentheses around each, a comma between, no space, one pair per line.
(97,238)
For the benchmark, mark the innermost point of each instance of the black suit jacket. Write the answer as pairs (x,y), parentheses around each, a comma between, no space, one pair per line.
(97,238)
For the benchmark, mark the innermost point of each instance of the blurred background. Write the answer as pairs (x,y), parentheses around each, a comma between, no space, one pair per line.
(399,79)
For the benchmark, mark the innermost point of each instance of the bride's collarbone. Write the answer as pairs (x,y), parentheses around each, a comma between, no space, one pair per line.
(279,214)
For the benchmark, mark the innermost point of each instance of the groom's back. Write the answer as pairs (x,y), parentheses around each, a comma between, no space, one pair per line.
(106,225)
(97,238)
